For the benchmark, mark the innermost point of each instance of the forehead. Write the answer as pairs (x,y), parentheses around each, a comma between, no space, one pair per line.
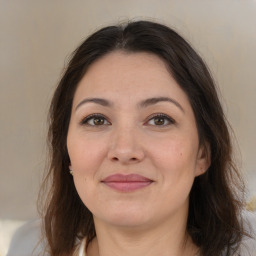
(120,75)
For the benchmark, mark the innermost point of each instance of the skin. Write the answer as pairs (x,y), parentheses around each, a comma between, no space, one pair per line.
(150,220)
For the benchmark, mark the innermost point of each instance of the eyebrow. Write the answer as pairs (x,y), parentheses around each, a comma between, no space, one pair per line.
(99,101)
(143,104)
(152,101)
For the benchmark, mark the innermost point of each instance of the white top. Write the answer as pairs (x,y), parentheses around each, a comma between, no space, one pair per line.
(81,251)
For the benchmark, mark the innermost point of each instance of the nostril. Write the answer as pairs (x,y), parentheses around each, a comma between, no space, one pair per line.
(133,159)
(125,155)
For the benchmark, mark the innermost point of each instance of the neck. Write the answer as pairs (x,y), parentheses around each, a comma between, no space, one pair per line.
(168,238)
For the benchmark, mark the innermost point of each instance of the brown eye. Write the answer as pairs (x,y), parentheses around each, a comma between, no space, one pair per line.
(161,120)
(95,120)
(98,121)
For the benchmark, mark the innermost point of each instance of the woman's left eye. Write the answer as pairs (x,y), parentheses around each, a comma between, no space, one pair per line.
(160,120)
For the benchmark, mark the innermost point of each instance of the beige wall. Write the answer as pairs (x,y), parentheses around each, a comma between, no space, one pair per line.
(37,36)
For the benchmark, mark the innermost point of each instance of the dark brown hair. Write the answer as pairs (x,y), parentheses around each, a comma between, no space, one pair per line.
(216,196)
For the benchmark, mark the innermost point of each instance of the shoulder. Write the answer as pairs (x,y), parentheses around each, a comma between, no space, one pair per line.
(27,240)
(248,246)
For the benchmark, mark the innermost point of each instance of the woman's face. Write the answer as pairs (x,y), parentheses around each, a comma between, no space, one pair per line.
(133,141)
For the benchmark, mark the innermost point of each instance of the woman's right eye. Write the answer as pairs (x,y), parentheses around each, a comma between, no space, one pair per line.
(95,120)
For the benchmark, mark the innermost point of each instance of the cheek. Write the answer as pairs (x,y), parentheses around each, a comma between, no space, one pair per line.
(85,155)
(86,158)
(176,166)
(175,154)
(175,163)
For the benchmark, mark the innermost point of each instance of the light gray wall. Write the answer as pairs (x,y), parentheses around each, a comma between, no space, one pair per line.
(37,36)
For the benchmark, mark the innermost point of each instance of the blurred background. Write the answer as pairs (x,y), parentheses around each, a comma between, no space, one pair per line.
(36,38)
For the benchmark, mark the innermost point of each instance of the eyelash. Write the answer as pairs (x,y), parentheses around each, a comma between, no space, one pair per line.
(100,116)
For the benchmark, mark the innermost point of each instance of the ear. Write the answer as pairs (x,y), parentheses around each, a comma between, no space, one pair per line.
(203,159)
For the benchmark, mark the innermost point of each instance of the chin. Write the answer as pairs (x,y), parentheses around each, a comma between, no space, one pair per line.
(126,219)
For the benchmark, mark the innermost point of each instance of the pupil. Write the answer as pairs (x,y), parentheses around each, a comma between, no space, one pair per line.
(98,121)
(159,120)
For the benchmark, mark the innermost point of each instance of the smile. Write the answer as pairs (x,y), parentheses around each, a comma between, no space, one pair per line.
(127,183)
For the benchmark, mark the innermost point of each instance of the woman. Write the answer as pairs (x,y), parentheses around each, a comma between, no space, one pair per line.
(140,151)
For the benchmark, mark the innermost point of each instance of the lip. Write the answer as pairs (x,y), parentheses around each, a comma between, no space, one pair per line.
(127,183)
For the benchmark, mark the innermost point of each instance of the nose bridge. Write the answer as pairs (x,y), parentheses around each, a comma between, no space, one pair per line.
(125,144)
(124,137)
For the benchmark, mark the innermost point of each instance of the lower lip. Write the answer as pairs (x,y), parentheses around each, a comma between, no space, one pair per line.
(128,186)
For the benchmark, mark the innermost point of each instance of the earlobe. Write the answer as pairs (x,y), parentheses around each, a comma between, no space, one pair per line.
(203,159)
(70,169)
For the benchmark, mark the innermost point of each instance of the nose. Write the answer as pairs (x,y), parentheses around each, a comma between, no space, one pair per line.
(126,147)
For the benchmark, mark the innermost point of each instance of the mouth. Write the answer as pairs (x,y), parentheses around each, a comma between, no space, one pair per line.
(127,183)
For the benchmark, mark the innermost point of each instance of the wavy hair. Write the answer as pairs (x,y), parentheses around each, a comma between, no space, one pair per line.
(216,197)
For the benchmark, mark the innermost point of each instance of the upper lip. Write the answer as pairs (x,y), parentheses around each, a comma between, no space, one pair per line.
(126,178)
